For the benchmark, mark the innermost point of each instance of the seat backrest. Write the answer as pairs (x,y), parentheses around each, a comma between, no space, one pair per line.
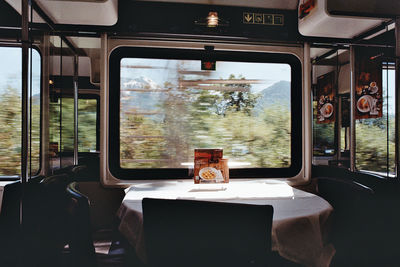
(104,203)
(10,203)
(353,222)
(80,234)
(53,206)
(344,194)
(10,224)
(201,233)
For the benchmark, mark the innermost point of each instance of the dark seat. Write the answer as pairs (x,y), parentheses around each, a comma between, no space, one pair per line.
(10,224)
(48,227)
(71,171)
(353,222)
(200,233)
(81,246)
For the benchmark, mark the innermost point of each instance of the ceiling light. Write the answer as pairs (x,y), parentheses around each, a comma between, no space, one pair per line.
(212,19)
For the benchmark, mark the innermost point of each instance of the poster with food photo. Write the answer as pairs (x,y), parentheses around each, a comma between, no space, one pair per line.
(368,73)
(210,167)
(326,98)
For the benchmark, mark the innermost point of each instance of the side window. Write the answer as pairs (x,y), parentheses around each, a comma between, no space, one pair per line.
(63,143)
(10,111)
(375,138)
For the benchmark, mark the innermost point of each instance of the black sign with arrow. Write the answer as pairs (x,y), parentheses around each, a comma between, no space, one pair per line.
(263,19)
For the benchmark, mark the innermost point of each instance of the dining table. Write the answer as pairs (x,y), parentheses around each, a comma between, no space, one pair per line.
(301,220)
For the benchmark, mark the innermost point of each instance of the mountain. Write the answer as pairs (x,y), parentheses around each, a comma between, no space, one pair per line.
(141,101)
(139,83)
(278,93)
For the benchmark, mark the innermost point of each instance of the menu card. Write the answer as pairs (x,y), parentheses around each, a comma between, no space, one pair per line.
(210,167)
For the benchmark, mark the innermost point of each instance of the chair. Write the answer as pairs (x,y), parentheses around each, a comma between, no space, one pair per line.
(81,246)
(199,233)
(353,220)
(48,213)
(10,234)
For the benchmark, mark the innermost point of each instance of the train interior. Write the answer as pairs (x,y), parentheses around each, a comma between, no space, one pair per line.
(302,91)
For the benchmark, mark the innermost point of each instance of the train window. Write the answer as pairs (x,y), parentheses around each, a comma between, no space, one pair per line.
(375,138)
(163,106)
(10,111)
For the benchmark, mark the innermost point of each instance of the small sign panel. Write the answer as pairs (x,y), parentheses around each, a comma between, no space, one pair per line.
(305,8)
(263,19)
(248,18)
(208,65)
(258,18)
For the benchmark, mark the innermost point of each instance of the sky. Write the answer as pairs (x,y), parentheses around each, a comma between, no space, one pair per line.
(11,65)
(389,76)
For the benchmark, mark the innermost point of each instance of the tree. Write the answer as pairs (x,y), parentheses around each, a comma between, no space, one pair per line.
(10,132)
(240,98)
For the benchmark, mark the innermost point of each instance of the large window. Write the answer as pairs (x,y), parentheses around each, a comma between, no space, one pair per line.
(10,111)
(163,106)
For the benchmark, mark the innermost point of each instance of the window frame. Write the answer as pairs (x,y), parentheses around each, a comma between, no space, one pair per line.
(193,54)
(39,171)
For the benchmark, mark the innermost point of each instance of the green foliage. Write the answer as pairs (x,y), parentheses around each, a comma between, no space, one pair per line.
(374,152)
(372,145)
(87,112)
(238,99)
(87,116)
(195,118)
(10,133)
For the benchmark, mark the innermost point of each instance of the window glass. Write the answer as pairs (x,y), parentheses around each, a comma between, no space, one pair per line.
(170,107)
(375,138)
(87,125)
(10,111)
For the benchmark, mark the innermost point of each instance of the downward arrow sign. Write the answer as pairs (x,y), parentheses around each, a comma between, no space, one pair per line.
(248,18)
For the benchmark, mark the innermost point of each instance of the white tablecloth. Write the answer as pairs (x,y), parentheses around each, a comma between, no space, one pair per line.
(300,219)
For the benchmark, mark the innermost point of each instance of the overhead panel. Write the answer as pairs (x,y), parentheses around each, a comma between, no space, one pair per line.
(16,4)
(76,12)
(369,8)
(100,12)
(211,20)
(314,20)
